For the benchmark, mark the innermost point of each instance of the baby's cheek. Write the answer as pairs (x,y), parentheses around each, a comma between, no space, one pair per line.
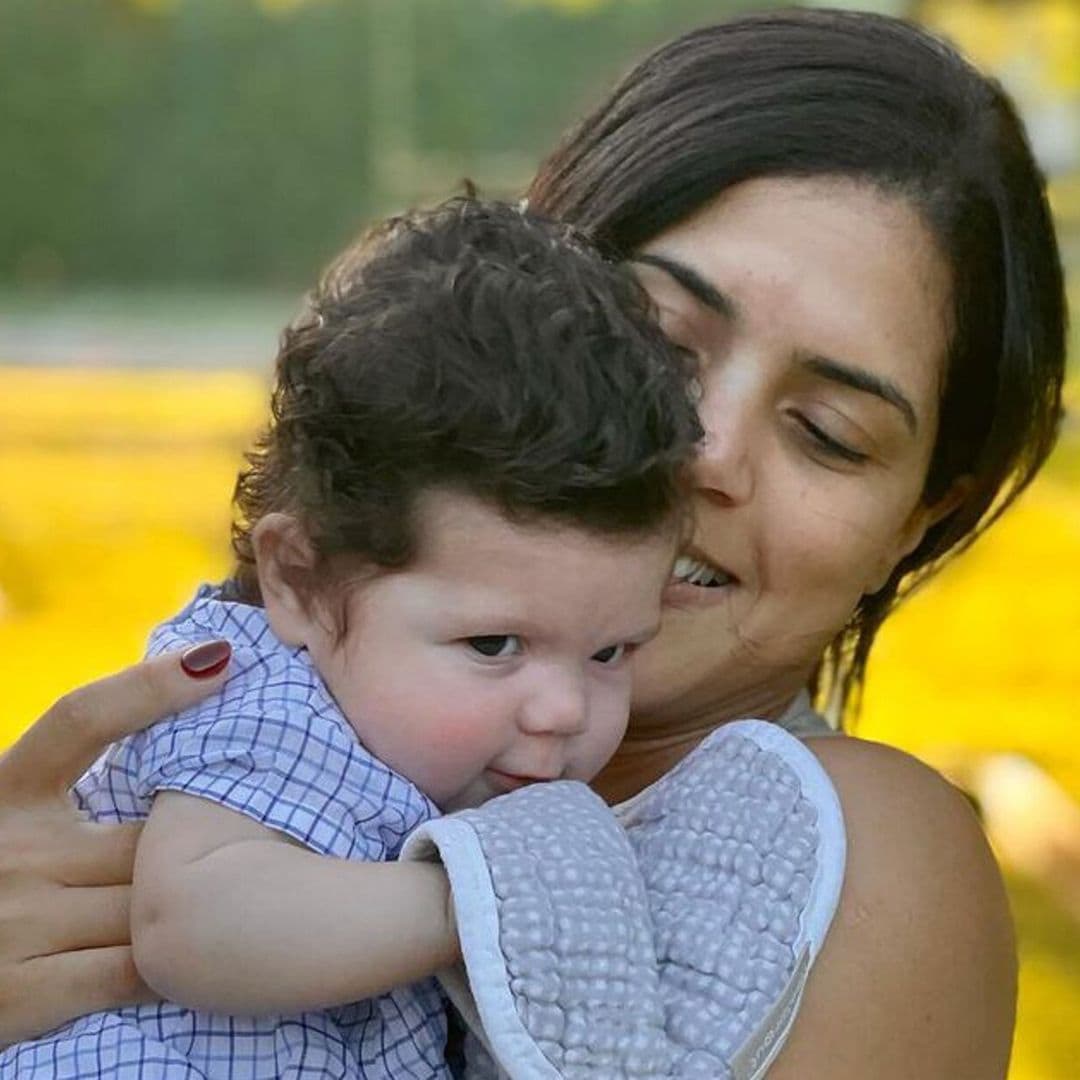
(606,730)
(461,739)
(454,754)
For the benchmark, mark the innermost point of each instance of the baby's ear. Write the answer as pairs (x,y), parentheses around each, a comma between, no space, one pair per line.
(284,559)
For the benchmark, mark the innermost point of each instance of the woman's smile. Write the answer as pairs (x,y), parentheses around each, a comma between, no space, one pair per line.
(697,580)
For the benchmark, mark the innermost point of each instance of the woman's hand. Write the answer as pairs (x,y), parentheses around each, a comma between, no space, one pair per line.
(65,883)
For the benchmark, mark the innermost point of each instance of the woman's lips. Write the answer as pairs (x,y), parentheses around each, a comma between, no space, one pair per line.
(680,594)
(698,582)
(697,571)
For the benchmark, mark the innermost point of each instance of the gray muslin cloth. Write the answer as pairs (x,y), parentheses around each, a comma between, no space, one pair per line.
(670,938)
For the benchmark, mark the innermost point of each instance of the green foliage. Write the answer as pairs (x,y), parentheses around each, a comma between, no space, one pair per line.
(224,140)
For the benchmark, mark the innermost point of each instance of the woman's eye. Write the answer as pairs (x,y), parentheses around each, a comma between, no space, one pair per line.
(611,655)
(825,443)
(495,646)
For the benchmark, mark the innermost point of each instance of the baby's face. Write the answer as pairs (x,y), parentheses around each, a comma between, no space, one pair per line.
(500,656)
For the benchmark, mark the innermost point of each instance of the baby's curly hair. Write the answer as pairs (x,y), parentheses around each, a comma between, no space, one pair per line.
(474,348)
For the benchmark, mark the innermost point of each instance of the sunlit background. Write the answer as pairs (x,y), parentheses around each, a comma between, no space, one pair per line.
(175,171)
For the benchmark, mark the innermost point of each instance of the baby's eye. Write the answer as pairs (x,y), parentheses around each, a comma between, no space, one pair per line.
(495,646)
(610,655)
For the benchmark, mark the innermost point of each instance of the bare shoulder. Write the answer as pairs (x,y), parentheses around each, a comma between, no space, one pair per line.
(917,978)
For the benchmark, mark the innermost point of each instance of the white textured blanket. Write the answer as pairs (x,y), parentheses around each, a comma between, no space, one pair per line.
(670,939)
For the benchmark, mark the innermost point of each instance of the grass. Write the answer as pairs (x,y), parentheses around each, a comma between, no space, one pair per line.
(116,487)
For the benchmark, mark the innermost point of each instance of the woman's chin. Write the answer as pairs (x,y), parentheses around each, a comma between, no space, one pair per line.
(701,669)
(679,668)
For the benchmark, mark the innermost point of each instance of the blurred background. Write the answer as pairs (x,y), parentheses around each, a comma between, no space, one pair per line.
(174,172)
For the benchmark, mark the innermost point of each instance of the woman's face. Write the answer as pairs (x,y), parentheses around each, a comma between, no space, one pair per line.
(818,312)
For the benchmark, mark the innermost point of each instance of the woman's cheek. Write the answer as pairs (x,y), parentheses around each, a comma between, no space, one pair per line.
(816,576)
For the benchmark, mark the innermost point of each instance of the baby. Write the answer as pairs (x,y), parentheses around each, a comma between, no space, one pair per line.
(450,539)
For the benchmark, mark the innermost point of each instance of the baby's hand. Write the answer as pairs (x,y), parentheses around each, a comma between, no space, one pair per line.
(555,932)
(672,941)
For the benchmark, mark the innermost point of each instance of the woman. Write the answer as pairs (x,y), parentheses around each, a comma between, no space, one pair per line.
(842,221)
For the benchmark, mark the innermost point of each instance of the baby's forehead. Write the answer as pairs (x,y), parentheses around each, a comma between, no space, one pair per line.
(474,563)
(459,528)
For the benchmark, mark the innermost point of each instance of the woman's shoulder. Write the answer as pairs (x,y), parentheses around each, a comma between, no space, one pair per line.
(917,977)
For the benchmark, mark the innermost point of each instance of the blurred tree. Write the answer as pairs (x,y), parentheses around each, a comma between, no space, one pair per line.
(179,141)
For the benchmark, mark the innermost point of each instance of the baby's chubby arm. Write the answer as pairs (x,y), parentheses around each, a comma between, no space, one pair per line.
(231,916)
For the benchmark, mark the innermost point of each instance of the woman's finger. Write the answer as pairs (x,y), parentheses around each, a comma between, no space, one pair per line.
(95,855)
(66,920)
(42,993)
(53,753)
(49,844)
(57,920)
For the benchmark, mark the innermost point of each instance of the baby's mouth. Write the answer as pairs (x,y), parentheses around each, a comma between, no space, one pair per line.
(691,571)
(512,781)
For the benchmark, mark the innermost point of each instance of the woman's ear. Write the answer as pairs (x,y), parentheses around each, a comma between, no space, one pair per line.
(923,518)
(284,556)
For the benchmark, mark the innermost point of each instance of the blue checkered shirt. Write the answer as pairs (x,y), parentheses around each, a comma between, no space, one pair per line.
(274,746)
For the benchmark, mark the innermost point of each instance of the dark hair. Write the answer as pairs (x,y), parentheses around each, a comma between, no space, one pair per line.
(472,348)
(867,97)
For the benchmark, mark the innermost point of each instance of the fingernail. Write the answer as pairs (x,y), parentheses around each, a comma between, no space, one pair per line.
(204,661)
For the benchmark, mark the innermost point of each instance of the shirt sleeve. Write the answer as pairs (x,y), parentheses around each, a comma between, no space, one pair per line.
(275,747)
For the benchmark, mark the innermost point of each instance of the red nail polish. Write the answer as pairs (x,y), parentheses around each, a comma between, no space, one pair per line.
(204,661)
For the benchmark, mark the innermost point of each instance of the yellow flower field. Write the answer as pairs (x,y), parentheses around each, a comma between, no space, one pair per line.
(115,489)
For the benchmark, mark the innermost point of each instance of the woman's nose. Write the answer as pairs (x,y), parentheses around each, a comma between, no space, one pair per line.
(724,469)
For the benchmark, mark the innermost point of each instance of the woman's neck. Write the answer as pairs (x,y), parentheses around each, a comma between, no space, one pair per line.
(655,744)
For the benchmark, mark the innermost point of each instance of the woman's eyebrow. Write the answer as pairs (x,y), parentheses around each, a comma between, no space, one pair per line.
(867,382)
(699,287)
(857,378)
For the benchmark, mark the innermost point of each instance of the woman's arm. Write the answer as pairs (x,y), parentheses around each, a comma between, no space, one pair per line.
(64,882)
(231,916)
(917,978)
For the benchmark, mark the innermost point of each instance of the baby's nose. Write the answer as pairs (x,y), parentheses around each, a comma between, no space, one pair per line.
(558,707)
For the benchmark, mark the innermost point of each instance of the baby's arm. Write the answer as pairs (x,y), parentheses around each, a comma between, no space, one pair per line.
(231,916)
